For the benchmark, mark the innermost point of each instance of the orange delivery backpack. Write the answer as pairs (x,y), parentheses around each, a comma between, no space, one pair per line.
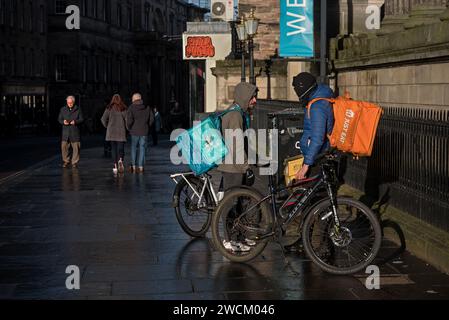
(355,124)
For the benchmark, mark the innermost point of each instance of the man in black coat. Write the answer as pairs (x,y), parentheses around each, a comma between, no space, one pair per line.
(70,117)
(139,121)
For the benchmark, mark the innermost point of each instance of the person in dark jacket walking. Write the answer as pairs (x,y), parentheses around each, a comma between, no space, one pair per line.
(114,119)
(70,117)
(318,124)
(140,118)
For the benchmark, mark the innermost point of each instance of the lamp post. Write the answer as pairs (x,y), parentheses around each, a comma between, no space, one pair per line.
(251,26)
(243,37)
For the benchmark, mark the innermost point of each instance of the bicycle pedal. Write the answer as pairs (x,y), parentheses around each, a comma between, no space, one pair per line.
(268,235)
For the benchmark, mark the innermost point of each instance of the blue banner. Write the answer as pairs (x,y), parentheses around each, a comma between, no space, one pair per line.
(296,25)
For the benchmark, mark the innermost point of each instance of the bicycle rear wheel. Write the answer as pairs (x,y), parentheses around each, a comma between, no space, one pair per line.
(345,250)
(193,216)
(237,222)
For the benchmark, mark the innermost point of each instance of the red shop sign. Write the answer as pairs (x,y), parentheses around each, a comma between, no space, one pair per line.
(199,47)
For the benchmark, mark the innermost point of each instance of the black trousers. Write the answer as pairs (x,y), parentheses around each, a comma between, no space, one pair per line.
(118,151)
(232,180)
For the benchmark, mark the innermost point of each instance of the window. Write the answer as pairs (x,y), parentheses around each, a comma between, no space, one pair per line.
(61,67)
(43,57)
(12,17)
(130,72)
(171,24)
(85,69)
(14,61)
(119,70)
(31,17)
(84,8)
(2,12)
(42,19)
(96,68)
(130,18)
(105,70)
(22,16)
(32,63)
(147,18)
(95,8)
(60,6)
(2,61)
(22,62)
(106,10)
(119,15)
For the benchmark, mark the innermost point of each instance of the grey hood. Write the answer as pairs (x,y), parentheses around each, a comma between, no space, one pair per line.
(243,94)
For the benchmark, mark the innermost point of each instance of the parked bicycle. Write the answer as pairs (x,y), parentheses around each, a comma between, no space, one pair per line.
(340,234)
(194,200)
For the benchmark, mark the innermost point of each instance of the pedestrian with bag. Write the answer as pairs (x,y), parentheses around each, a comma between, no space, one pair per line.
(318,121)
(236,174)
(140,119)
(114,120)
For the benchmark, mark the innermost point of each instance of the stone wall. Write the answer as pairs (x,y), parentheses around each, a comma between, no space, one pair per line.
(419,84)
(404,67)
(267,39)
(405,64)
(228,75)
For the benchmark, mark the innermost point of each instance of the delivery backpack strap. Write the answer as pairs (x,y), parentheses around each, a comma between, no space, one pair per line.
(309,105)
(245,116)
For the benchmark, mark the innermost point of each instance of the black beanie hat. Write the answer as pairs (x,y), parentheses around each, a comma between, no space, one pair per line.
(303,82)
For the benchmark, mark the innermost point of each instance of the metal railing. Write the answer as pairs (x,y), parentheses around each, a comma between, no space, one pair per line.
(409,168)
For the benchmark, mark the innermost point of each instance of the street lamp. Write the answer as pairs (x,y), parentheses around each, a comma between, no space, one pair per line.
(251,26)
(243,37)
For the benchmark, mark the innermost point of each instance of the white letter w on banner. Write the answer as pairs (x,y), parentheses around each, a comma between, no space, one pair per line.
(293,24)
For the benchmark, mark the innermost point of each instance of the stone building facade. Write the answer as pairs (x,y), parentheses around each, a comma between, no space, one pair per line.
(122,47)
(23,68)
(274,74)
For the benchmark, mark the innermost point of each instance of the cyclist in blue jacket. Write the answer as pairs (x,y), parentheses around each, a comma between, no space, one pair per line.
(318,124)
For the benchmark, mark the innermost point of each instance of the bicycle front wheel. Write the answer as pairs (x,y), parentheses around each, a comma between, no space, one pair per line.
(237,224)
(342,250)
(192,213)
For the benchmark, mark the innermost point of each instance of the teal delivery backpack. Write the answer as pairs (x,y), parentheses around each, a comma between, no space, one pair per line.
(203,145)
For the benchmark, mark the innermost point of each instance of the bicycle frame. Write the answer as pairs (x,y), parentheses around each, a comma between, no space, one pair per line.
(322,180)
(206,187)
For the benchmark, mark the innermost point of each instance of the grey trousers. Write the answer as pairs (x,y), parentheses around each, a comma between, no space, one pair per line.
(65,145)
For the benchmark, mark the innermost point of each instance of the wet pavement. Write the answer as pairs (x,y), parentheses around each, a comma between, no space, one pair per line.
(18,154)
(123,235)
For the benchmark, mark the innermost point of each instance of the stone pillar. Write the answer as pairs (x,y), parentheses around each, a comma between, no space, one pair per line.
(344,17)
(396,14)
(425,12)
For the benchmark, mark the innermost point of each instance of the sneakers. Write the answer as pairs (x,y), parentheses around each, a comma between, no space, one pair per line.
(140,170)
(65,165)
(250,242)
(132,169)
(121,167)
(235,246)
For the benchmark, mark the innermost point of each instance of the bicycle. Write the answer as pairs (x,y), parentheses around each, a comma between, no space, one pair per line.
(341,235)
(194,201)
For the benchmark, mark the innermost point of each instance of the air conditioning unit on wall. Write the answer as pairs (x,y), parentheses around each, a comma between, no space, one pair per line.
(222,10)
